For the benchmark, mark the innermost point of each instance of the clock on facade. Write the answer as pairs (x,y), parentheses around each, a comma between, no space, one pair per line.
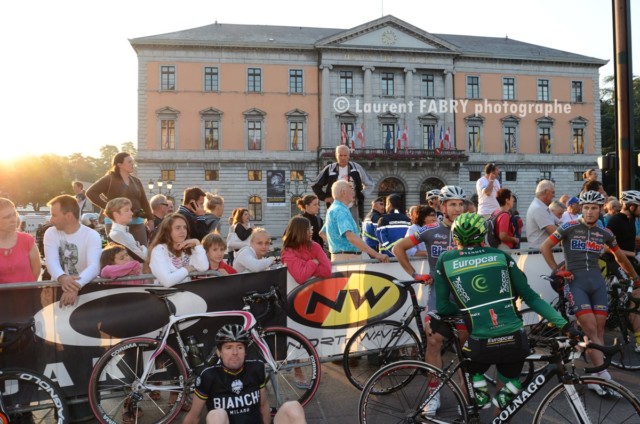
(389,37)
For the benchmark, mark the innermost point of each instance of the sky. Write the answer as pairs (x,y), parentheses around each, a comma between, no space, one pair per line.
(70,73)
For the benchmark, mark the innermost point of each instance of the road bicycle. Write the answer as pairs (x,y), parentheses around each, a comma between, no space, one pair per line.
(26,396)
(399,392)
(148,380)
(622,304)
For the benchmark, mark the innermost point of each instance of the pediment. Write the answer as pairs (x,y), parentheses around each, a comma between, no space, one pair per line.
(211,111)
(254,112)
(167,111)
(296,113)
(387,32)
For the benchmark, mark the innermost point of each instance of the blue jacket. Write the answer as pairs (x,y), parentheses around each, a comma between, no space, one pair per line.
(392,228)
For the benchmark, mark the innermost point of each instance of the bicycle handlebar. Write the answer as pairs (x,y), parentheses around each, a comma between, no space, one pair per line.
(627,286)
(16,329)
(564,343)
(273,297)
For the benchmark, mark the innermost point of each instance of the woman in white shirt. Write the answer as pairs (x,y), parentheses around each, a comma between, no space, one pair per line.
(252,258)
(173,255)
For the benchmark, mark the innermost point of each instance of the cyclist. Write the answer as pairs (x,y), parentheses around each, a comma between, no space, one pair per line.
(485,283)
(437,240)
(234,389)
(582,242)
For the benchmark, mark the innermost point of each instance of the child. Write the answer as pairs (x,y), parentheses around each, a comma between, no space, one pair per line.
(119,211)
(215,246)
(304,257)
(115,262)
(252,258)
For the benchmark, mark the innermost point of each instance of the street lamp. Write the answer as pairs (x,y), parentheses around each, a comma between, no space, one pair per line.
(299,187)
(160,183)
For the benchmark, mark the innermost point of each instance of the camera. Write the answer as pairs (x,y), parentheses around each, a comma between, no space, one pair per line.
(140,213)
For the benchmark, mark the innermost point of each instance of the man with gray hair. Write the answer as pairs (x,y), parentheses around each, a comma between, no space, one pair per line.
(160,208)
(557,209)
(540,221)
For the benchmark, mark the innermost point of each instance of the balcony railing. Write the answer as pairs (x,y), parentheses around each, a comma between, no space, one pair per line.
(383,155)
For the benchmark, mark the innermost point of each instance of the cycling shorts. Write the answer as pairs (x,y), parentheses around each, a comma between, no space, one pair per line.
(588,292)
(506,352)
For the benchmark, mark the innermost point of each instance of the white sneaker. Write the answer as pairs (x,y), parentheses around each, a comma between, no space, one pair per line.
(603,391)
(432,406)
(637,348)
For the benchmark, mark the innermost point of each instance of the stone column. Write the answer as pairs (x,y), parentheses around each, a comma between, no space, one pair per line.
(370,129)
(411,112)
(448,116)
(325,109)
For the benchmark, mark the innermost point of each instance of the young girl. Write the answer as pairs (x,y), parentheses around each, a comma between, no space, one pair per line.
(172,255)
(215,246)
(239,232)
(304,257)
(115,262)
(120,213)
(252,258)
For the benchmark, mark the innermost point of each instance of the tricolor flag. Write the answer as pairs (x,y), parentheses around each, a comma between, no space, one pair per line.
(295,138)
(405,137)
(447,138)
(343,135)
(255,140)
(388,140)
(353,140)
(477,142)
(399,140)
(441,139)
(361,136)
(432,136)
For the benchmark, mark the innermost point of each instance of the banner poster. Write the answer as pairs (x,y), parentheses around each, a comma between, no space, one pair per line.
(275,188)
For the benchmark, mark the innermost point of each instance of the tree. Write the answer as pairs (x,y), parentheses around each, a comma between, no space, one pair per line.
(130,148)
(107,152)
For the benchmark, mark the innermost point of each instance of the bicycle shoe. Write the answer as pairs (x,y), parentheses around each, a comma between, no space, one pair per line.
(432,406)
(604,391)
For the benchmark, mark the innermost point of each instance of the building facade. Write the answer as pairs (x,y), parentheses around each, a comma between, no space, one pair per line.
(254,112)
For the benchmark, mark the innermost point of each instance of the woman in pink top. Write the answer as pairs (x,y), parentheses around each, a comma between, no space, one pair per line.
(19,256)
(304,257)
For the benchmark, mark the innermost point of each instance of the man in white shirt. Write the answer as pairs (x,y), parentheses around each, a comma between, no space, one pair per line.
(573,210)
(487,188)
(72,250)
(540,222)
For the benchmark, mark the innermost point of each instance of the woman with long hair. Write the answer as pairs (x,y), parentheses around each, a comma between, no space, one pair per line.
(309,205)
(119,181)
(172,254)
(239,232)
(303,256)
(19,255)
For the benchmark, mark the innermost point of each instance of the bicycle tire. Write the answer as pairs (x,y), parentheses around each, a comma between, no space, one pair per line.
(115,377)
(377,344)
(297,362)
(627,358)
(556,408)
(30,397)
(410,379)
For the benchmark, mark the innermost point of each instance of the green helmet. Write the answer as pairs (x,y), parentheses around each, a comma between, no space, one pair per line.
(468,229)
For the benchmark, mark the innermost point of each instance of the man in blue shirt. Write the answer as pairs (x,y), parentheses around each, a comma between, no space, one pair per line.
(341,229)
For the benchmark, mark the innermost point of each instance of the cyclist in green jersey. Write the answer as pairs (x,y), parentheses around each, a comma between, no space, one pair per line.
(485,283)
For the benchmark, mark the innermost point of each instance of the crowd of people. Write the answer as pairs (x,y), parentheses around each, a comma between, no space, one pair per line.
(148,237)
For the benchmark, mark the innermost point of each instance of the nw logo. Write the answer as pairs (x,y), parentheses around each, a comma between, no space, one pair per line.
(337,305)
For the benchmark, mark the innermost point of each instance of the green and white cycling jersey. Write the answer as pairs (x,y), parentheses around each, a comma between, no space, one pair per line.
(486,283)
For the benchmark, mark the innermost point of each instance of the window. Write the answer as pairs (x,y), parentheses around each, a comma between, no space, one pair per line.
(473,87)
(295,81)
(545,140)
(474,175)
(168,134)
(578,140)
(346,82)
(576,91)
(511,176)
(473,138)
(211,135)
(387,83)
(296,135)
(510,139)
(254,175)
(254,80)
(211,79)
(296,175)
(211,175)
(543,90)
(294,211)
(508,88)
(255,208)
(427,85)
(429,136)
(545,175)
(167,78)
(168,175)
(254,130)
(577,175)
(388,136)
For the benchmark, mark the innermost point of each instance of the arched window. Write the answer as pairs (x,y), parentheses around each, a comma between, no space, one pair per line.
(255,208)
(393,185)
(429,184)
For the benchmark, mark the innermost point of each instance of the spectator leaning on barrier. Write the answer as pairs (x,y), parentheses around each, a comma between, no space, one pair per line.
(393,225)
(72,249)
(370,223)
(192,209)
(19,255)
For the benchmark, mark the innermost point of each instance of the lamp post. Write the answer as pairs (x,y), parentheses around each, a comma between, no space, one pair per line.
(299,187)
(160,184)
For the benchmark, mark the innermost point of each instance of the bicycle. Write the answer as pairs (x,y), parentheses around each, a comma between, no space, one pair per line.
(622,303)
(26,396)
(399,391)
(146,380)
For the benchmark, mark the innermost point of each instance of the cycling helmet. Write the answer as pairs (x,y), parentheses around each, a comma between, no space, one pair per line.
(469,228)
(231,333)
(451,192)
(88,217)
(592,197)
(631,197)
(433,193)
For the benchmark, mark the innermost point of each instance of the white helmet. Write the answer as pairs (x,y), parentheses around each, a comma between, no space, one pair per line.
(451,192)
(433,193)
(592,197)
(631,197)
(88,217)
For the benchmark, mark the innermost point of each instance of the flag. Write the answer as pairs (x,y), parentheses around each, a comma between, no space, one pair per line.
(295,138)
(353,140)
(447,136)
(255,140)
(387,140)
(432,136)
(405,137)
(361,136)
(399,142)
(477,142)
(343,135)
(441,139)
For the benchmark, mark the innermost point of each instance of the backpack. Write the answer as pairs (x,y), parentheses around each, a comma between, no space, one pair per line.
(492,238)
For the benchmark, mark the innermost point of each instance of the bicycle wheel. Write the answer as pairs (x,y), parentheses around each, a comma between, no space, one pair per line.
(404,404)
(30,397)
(628,358)
(298,374)
(535,325)
(377,344)
(117,395)
(556,407)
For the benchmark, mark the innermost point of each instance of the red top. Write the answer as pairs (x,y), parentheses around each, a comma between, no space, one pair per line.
(503,225)
(15,265)
(300,262)
(224,266)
